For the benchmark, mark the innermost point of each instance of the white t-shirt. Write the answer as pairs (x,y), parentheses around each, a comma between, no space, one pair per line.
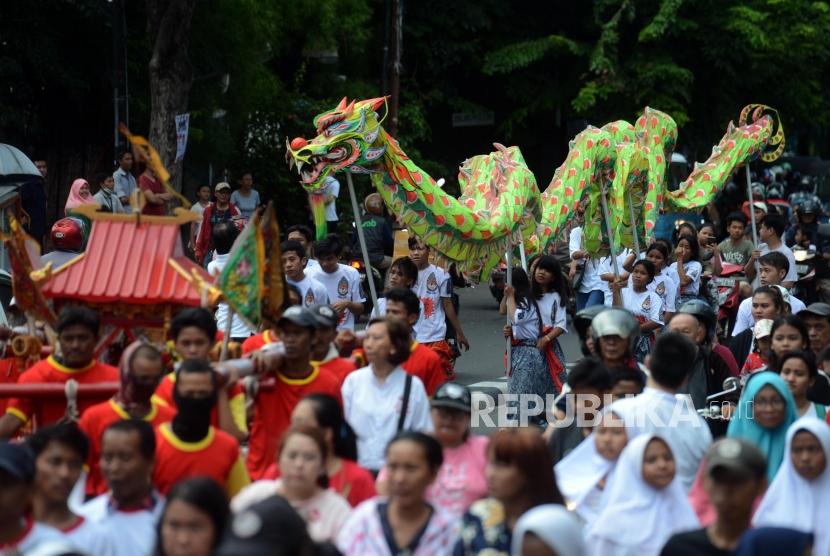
(693,270)
(745,319)
(93,538)
(37,535)
(792,274)
(554,312)
(525,323)
(664,286)
(372,409)
(379,310)
(432,286)
(606,266)
(312,265)
(312,292)
(645,304)
(238,327)
(341,285)
(332,187)
(197,208)
(676,420)
(135,530)
(590,280)
(324,513)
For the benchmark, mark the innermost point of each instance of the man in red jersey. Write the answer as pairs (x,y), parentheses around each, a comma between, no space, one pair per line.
(193,331)
(281,388)
(141,370)
(77,335)
(188,446)
(323,350)
(270,335)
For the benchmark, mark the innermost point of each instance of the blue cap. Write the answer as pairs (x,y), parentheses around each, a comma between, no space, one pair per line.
(17,461)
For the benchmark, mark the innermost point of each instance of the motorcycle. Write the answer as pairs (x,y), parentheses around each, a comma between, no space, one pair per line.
(498,280)
(717,414)
(728,286)
(805,267)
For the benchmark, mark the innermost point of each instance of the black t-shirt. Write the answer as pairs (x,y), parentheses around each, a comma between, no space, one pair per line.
(692,543)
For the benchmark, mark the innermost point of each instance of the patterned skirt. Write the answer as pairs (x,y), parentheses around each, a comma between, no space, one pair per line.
(530,374)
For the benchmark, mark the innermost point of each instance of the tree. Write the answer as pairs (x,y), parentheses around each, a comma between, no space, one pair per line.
(171,74)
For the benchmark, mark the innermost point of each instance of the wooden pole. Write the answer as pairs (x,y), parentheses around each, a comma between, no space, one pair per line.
(370,278)
(227,338)
(607,218)
(509,281)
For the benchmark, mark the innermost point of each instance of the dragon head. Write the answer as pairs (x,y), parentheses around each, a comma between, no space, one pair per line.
(344,140)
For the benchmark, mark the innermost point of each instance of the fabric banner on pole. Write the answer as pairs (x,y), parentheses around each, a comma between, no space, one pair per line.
(241,281)
(182,125)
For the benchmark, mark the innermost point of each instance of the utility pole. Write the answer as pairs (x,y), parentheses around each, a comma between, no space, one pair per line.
(395,69)
(120,82)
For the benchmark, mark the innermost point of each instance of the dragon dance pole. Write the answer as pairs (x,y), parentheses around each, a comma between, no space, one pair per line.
(359,223)
(633,227)
(751,206)
(607,217)
(223,354)
(523,255)
(508,259)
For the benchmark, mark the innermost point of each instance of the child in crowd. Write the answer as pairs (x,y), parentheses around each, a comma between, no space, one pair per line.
(644,304)
(759,356)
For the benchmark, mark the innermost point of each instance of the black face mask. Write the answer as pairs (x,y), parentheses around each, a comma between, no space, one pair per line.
(192,420)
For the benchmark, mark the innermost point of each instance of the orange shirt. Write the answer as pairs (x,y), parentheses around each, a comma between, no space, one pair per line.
(51,410)
(426,365)
(216,456)
(257,341)
(272,413)
(339,367)
(95,421)
(236,400)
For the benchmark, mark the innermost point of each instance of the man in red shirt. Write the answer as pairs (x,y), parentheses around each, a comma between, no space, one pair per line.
(141,370)
(189,446)
(155,194)
(283,383)
(193,331)
(270,335)
(323,350)
(77,335)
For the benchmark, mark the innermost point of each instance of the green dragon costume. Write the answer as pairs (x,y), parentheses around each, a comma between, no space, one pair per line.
(500,203)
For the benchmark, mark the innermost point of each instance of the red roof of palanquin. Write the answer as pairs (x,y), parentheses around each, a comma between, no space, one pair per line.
(130,261)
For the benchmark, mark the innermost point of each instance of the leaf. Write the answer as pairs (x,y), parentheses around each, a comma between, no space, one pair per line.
(522,54)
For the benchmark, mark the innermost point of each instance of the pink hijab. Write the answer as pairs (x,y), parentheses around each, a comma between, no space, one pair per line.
(75,199)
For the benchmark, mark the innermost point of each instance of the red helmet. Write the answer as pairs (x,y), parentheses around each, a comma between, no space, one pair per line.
(67,235)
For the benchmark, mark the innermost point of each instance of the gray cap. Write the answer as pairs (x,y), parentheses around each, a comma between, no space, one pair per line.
(452,395)
(325,315)
(736,455)
(17,461)
(299,316)
(819,309)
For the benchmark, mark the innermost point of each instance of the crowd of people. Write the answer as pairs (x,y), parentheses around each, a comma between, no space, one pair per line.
(682,430)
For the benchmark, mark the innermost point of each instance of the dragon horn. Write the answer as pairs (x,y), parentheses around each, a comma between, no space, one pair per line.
(349,109)
(376,102)
(342,105)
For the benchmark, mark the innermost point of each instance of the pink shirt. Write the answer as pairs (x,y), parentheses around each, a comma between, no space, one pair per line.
(460,481)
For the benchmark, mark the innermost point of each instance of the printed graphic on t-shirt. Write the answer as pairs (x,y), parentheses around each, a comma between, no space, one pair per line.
(646,304)
(309,298)
(432,283)
(661,289)
(343,287)
(429,307)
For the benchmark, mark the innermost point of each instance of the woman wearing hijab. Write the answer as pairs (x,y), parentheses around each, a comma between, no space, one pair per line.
(549,528)
(79,194)
(645,504)
(798,496)
(585,474)
(765,412)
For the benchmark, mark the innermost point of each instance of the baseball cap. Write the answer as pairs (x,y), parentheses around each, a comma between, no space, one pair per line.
(452,395)
(268,527)
(299,316)
(736,455)
(760,205)
(763,328)
(819,309)
(325,315)
(17,461)
(222,185)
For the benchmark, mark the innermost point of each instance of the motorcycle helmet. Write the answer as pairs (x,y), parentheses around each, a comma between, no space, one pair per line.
(808,206)
(703,313)
(759,192)
(775,191)
(615,321)
(582,323)
(67,235)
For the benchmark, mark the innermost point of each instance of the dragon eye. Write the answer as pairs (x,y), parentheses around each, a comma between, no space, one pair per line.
(337,128)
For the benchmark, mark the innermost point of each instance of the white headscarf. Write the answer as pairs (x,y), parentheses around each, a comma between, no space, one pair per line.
(794,502)
(554,525)
(637,518)
(579,472)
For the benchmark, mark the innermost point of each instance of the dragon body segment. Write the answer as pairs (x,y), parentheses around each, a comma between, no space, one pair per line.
(500,202)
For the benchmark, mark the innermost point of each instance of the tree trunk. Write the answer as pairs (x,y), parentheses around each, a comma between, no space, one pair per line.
(171,75)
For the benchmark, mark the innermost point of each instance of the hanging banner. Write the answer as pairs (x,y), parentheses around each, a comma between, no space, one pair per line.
(182,125)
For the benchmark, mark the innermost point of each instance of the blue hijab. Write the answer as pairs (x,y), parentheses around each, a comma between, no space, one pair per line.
(772,442)
(773,541)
